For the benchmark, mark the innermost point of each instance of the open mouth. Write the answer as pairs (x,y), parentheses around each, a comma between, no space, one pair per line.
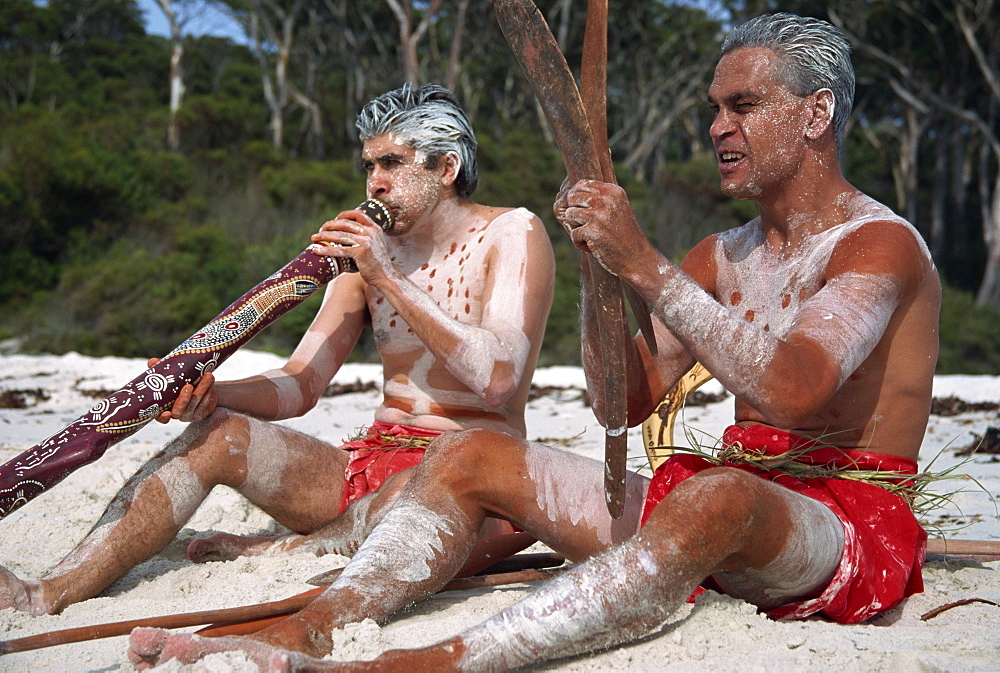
(730,157)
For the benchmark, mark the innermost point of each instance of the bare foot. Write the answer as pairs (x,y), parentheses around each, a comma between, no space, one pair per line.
(226,547)
(23,595)
(152,647)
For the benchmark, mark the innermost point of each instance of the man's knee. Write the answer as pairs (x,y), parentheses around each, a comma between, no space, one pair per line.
(211,445)
(722,495)
(465,456)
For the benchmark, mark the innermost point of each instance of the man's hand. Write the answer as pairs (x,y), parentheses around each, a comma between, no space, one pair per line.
(353,235)
(560,205)
(193,403)
(599,219)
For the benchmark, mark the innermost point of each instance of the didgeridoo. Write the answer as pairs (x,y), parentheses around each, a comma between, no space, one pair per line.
(545,67)
(154,391)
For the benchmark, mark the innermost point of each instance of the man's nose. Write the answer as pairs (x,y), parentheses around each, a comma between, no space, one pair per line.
(378,185)
(722,125)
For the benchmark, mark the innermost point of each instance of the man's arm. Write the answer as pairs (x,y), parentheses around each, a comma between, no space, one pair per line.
(295,388)
(648,377)
(786,379)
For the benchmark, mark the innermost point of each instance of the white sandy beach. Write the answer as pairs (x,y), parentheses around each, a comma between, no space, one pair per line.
(715,634)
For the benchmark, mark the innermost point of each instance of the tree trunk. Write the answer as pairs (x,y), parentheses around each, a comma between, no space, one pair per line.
(177,88)
(454,58)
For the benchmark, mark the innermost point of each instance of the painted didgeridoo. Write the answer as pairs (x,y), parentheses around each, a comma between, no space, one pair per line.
(545,67)
(125,411)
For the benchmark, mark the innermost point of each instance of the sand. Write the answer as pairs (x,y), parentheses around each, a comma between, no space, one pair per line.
(715,634)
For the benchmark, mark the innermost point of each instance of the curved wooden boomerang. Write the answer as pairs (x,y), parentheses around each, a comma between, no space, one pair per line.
(141,400)
(593,91)
(544,65)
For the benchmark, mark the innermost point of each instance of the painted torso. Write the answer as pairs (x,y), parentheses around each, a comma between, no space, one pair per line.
(419,390)
(769,289)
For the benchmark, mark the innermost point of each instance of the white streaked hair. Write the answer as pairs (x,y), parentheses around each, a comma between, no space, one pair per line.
(813,55)
(430,120)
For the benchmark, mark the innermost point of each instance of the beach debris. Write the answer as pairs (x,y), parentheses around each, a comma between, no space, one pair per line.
(988,443)
(948,606)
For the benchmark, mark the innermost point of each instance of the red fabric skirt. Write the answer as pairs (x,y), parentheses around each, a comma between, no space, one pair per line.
(884,545)
(378,456)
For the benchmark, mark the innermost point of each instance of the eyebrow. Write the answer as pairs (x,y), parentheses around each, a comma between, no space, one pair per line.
(736,96)
(388,156)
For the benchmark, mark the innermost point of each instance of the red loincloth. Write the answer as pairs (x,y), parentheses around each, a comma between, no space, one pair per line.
(884,545)
(378,456)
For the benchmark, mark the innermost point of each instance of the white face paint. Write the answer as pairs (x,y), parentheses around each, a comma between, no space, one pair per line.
(397,176)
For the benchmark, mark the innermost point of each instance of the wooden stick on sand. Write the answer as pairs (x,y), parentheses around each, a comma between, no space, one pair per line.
(237,614)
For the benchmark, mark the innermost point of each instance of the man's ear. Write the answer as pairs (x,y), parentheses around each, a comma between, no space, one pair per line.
(823,106)
(451,164)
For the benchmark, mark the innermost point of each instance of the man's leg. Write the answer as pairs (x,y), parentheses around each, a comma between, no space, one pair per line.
(293,477)
(720,520)
(425,538)
(341,536)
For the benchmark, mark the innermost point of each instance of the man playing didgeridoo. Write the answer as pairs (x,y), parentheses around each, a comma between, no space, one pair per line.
(457,294)
(820,316)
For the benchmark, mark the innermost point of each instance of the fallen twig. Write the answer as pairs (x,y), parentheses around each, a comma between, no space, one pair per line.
(948,606)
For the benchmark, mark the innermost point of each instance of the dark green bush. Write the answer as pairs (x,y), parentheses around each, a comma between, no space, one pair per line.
(969,336)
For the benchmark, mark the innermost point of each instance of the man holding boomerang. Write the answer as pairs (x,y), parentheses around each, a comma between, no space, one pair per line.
(457,294)
(820,316)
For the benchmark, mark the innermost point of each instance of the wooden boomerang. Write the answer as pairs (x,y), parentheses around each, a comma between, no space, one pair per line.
(544,65)
(594,92)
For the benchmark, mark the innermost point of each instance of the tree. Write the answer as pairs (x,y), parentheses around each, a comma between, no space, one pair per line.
(410,35)
(177,14)
(934,59)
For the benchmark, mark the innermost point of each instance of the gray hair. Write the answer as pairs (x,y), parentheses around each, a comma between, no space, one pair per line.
(812,53)
(429,120)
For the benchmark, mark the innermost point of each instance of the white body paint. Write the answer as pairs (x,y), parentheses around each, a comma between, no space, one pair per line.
(771,294)
(569,491)
(402,547)
(445,287)
(571,614)
(804,567)
(265,464)
(288,393)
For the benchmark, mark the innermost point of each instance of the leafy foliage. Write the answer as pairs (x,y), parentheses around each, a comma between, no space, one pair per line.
(970,341)
(111,243)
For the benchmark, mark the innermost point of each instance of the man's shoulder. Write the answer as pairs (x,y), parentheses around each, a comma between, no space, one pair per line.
(498,215)
(878,224)
(511,221)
